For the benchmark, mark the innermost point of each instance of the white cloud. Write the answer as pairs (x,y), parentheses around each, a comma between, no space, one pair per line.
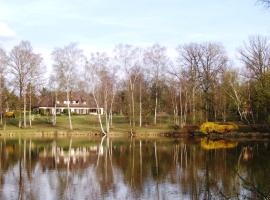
(6,31)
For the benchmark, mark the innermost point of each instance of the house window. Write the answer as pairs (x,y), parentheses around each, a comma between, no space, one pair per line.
(66,102)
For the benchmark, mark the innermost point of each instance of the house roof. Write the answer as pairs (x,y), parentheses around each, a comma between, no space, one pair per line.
(82,100)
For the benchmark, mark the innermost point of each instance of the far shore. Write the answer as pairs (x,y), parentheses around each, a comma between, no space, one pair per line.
(88,126)
(247,136)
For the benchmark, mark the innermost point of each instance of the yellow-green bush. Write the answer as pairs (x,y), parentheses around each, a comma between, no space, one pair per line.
(219,144)
(212,127)
(9,114)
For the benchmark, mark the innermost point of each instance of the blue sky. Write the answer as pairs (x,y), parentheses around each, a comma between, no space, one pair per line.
(98,25)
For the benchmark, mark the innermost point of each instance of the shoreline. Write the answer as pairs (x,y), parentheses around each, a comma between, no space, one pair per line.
(167,134)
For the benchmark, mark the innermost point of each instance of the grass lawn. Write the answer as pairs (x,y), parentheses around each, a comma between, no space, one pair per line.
(83,123)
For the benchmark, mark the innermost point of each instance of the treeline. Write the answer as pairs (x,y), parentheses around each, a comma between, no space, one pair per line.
(144,84)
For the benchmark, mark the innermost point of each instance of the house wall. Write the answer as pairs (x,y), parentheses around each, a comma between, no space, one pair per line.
(81,111)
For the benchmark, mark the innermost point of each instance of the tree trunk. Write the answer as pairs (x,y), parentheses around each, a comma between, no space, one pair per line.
(181,106)
(20,109)
(24,109)
(110,118)
(106,111)
(206,111)
(130,107)
(111,108)
(54,116)
(99,117)
(133,106)
(69,113)
(193,106)
(140,104)
(176,113)
(1,103)
(224,111)
(185,110)
(156,104)
(215,113)
(30,106)
(5,123)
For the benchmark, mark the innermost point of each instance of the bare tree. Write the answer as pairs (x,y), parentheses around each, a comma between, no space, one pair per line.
(92,79)
(3,64)
(141,78)
(20,63)
(156,60)
(233,89)
(174,93)
(256,58)
(129,59)
(35,78)
(197,70)
(66,65)
(100,76)
(54,84)
(212,61)
(188,59)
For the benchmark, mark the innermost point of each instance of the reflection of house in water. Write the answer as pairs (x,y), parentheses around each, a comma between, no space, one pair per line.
(78,104)
(79,157)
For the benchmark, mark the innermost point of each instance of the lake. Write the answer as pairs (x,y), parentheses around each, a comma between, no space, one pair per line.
(133,168)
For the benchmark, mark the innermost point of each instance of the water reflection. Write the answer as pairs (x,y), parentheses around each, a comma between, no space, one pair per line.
(132,168)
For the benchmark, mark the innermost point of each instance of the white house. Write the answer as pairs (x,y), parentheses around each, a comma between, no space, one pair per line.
(77,105)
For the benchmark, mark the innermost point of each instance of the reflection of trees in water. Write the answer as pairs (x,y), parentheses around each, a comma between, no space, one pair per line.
(104,168)
(134,169)
(16,174)
(253,170)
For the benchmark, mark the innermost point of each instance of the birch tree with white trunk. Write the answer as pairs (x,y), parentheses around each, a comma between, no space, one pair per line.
(255,56)
(67,62)
(20,68)
(233,90)
(188,59)
(156,60)
(54,84)
(129,59)
(100,77)
(35,79)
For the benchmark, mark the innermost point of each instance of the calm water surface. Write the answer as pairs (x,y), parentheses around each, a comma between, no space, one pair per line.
(132,168)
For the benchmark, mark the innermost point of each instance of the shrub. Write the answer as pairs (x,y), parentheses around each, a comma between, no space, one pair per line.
(42,112)
(65,111)
(35,112)
(212,127)
(74,113)
(9,115)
